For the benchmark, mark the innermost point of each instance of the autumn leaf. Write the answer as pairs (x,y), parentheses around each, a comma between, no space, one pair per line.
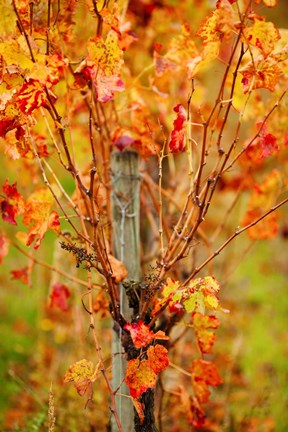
(262,147)
(31,96)
(204,374)
(262,35)
(219,24)
(82,374)
(47,70)
(103,66)
(201,293)
(101,305)
(260,74)
(139,377)
(170,287)
(59,296)
(262,198)
(140,333)
(13,54)
(139,409)
(202,325)
(13,204)
(157,356)
(268,143)
(21,275)
(265,229)
(178,134)
(119,271)
(37,214)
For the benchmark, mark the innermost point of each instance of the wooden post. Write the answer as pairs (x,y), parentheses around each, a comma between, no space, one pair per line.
(125,221)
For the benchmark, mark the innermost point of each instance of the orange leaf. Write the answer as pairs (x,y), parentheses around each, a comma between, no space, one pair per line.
(182,47)
(260,74)
(139,377)
(157,356)
(266,229)
(262,198)
(37,215)
(204,374)
(139,408)
(205,338)
(118,268)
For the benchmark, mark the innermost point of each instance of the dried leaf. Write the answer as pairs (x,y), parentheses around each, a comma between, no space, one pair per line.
(118,268)
(139,408)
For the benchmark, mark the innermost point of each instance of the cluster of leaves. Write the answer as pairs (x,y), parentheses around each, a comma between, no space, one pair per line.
(36,211)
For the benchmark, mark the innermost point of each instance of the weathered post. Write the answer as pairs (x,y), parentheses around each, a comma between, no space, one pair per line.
(125,219)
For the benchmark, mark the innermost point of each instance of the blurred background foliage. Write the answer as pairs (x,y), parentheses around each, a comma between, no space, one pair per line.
(39,343)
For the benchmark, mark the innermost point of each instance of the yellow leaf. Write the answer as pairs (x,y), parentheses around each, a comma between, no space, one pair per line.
(13,55)
(262,35)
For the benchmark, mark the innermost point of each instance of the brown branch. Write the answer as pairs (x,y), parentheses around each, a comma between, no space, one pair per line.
(236,234)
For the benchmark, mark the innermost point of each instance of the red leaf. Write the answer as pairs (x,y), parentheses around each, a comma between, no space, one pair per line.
(21,274)
(13,205)
(59,296)
(177,142)
(7,124)
(268,142)
(140,333)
